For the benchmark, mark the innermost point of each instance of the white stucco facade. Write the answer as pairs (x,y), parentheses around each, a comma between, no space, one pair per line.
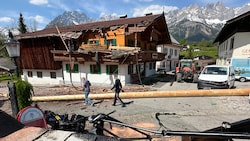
(236,46)
(62,76)
(171,57)
(32,76)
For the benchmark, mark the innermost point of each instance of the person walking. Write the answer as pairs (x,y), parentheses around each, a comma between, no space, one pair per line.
(86,89)
(118,88)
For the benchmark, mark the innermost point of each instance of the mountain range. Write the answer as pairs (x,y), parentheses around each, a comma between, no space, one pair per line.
(194,23)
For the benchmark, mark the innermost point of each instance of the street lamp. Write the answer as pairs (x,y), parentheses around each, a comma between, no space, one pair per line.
(13,49)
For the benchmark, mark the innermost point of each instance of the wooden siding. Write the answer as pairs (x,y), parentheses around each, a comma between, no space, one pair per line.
(35,54)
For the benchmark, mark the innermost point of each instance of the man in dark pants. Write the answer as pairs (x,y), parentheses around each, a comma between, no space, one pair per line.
(118,88)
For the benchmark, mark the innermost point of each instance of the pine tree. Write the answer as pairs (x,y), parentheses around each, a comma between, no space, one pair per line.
(21,25)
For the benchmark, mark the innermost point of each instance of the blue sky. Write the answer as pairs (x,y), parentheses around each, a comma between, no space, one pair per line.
(41,12)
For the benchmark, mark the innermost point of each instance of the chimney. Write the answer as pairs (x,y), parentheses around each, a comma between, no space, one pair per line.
(149,14)
(123,17)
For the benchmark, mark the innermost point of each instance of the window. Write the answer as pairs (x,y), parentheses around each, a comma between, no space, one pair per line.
(232,43)
(165,50)
(140,67)
(130,43)
(130,69)
(215,70)
(95,69)
(93,42)
(111,42)
(30,74)
(171,52)
(162,64)
(150,65)
(74,70)
(39,74)
(226,44)
(175,52)
(112,69)
(52,74)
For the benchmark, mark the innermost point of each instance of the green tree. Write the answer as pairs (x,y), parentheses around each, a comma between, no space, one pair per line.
(190,52)
(24,91)
(183,41)
(21,26)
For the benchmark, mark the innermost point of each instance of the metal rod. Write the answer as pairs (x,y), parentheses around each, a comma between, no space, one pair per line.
(239,135)
(131,126)
(188,133)
(17,68)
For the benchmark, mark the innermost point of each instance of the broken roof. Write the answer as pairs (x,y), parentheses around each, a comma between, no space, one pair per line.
(6,64)
(139,21)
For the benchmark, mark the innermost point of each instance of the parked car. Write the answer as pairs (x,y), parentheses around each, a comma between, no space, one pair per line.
(216,77)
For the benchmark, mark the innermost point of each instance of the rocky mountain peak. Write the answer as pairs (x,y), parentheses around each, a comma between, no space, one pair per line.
(193,22)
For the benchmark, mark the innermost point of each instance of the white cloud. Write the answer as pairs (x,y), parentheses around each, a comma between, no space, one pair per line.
(155,9)
(57,4)
(38,2)
(39,19)
(6,19)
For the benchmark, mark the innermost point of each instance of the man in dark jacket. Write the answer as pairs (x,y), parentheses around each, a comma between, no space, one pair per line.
(118,88)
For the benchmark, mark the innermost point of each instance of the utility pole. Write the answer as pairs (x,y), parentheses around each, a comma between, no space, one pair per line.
(13,98)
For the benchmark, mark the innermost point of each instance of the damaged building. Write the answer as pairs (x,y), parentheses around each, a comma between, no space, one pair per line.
(101,51)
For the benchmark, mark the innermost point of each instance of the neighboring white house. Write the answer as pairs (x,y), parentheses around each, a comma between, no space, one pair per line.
(234,39)
(172,52)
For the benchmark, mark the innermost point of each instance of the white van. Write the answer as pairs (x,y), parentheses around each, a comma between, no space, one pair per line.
(216,77)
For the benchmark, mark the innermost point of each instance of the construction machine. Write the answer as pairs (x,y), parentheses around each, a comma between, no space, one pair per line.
(186,70)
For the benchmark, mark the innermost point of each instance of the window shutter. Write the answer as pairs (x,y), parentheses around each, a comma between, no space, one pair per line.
(97,42)
(76,68)
(107,69)
(114,42)
(67,67)
(99,69)
(91,68)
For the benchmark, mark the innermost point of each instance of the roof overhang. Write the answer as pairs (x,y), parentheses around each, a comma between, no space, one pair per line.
(65,35)
(7,65)
(237,24)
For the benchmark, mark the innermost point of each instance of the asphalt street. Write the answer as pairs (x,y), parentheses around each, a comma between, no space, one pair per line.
(182,113)
(179,114)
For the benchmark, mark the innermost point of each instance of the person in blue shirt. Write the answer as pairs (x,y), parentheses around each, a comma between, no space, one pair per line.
(86,89)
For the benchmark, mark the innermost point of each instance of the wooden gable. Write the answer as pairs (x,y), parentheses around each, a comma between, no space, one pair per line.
(36,54)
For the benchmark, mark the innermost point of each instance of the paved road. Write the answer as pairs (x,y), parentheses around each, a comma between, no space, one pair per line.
(192,113)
